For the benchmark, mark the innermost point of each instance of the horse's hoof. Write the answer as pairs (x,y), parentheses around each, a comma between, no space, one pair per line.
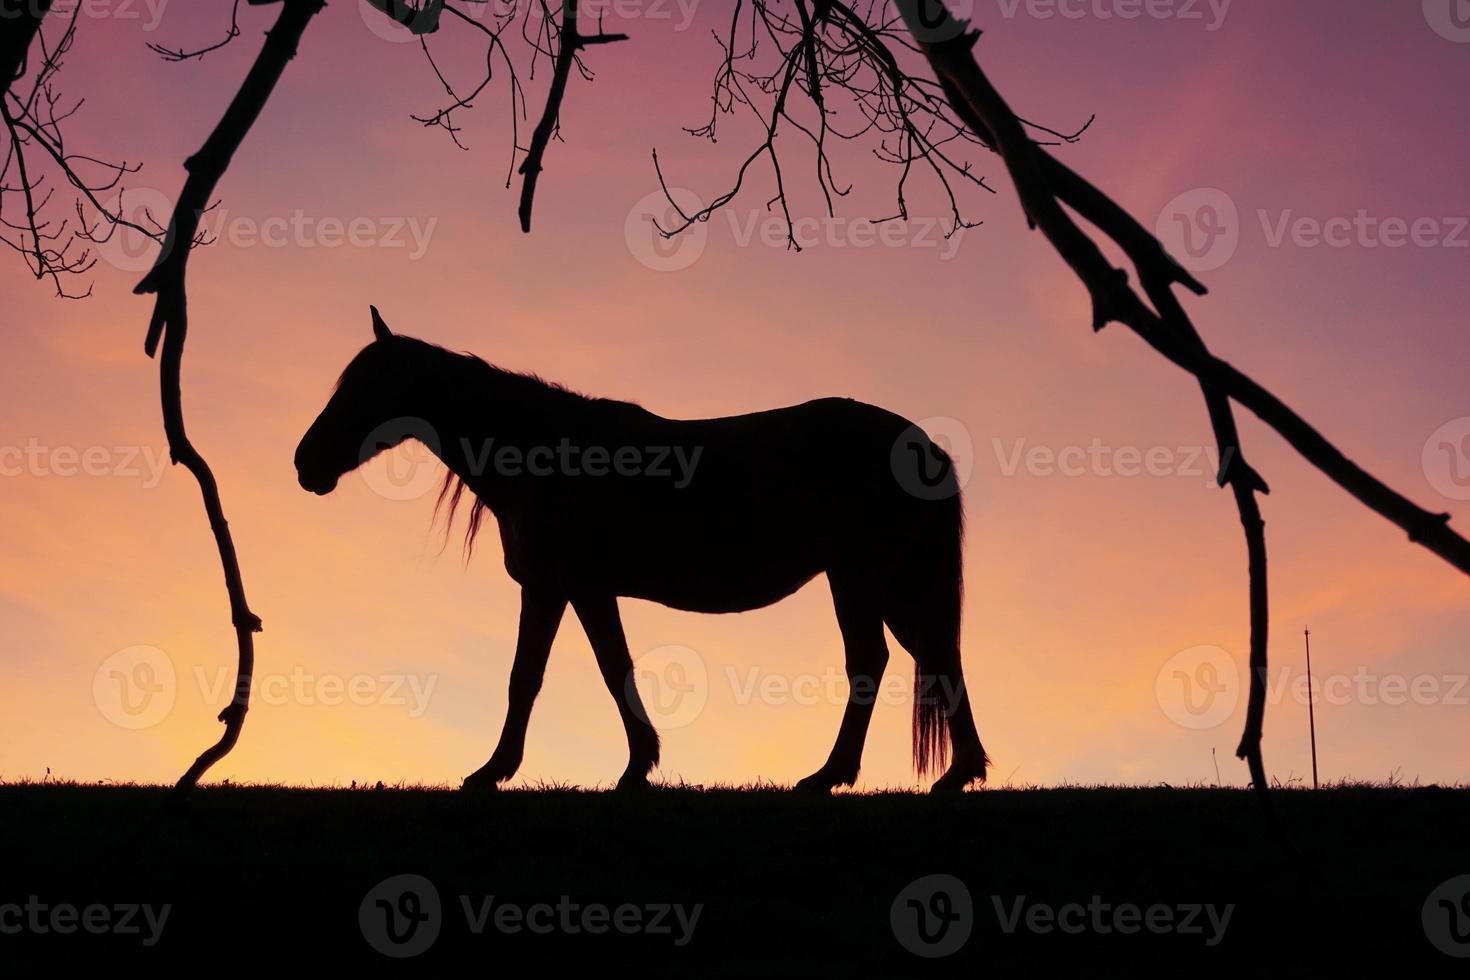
(631,783)
(944,786)
(480,782)
(817,784)
(953,783)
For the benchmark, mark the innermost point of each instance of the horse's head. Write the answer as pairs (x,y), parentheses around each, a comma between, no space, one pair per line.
(354,427)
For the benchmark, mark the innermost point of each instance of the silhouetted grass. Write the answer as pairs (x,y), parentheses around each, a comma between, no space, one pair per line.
(788,885)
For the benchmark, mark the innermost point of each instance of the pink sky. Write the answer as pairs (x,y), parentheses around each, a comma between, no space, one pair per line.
(1081,587)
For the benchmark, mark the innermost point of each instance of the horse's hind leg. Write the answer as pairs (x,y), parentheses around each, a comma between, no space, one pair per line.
(860,618)
(540,616)
(926,626)
(599,616)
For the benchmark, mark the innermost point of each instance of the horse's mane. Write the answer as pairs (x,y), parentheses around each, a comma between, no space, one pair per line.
(452,491)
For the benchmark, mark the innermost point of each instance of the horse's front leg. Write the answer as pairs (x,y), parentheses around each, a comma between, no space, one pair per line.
(860,619)
(599,616)
(541,613)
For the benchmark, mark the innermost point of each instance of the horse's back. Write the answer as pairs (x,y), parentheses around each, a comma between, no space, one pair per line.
(764,502)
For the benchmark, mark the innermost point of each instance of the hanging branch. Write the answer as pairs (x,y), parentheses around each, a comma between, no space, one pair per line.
(1042,182)
(170,323)
(992,120)
(34,116)
(443,118)
(569,42)
(182,54)
(825,49)
(561,41)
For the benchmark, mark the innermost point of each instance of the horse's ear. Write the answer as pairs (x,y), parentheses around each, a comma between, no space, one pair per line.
(380,329)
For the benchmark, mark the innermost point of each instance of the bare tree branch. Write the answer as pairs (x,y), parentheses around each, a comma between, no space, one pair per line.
(568,41)
(33,115)
(444,117)
(1043,184)
(170,322)
(827,47)
(181,54)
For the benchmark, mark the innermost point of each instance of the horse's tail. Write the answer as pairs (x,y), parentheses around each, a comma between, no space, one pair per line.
(937,664)
(926,597)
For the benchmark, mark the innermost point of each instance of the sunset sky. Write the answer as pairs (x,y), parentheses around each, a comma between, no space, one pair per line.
(1325,127)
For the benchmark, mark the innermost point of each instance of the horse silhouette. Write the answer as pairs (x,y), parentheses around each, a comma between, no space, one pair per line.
(764,503)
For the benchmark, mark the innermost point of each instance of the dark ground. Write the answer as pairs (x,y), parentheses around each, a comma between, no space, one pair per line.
(273,879)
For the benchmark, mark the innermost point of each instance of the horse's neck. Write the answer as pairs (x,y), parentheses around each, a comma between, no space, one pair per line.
(476,409)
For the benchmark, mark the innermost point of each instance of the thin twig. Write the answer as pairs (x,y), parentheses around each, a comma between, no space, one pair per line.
(33,116)
(170,322)
(570,41)
(180,54)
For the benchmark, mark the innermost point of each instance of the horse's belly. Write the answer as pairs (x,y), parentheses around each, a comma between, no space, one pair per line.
(721,594)
(704,571)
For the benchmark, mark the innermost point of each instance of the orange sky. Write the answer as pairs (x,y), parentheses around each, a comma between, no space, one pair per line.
(384,659)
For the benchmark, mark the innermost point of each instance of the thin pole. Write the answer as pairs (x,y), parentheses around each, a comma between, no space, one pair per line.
(1311,705)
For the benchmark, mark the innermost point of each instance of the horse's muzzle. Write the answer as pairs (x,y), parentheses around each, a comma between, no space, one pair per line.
(321,486)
